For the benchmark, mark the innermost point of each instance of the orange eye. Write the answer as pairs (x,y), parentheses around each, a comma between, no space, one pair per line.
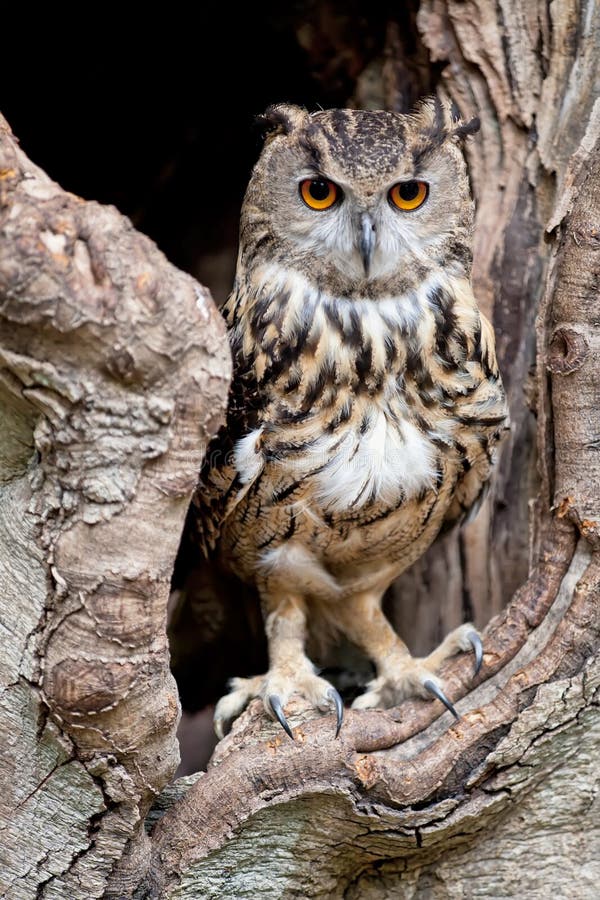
(319,193)
(409,194)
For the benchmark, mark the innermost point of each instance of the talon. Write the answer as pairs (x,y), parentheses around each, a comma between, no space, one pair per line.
(219,728)
(339,708)
(477,646)
(438,692)
(275,704)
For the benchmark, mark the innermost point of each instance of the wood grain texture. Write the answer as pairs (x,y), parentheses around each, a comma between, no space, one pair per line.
(113,373)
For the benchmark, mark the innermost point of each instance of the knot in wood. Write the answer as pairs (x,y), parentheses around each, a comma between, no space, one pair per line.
(367,771)
(80,687)
(567,352)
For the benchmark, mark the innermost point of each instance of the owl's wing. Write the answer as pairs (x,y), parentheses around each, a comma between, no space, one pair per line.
(216,486)
(482,415)
(220,489)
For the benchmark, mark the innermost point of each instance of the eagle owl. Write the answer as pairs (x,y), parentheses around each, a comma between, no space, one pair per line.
(366,401)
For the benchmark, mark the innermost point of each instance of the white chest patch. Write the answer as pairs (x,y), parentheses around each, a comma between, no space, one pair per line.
(383,465)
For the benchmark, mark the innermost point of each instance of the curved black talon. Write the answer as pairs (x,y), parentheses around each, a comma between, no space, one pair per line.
(477,646)
(275,704)
(437,692)
(339,708)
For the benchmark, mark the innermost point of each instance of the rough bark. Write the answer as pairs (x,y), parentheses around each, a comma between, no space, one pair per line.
(113,374)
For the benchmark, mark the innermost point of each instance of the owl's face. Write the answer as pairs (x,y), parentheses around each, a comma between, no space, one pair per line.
(361,198)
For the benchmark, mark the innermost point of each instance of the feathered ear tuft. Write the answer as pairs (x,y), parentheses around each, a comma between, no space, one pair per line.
(439,120)
(464,129)
(281,118)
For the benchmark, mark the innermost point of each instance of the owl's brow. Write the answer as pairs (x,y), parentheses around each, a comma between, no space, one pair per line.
(308,143)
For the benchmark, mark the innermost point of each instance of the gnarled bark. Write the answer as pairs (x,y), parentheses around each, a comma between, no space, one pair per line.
(112,375)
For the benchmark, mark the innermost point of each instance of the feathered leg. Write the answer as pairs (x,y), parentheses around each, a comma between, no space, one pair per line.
(399,675)
(290,670)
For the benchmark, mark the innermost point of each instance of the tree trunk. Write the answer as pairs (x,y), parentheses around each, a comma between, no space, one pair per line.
(113,375)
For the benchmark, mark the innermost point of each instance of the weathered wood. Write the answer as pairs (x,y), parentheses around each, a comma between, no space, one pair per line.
(113,375)
(330,841)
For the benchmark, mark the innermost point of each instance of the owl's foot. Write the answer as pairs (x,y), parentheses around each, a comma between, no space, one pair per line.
(280,685)
(275,689)
(406,676)
(229,707)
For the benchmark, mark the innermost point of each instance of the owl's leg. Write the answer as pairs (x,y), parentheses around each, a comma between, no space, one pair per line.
(399,675)
(290,670)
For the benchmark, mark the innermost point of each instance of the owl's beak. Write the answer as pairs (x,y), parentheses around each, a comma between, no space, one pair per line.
(366,241)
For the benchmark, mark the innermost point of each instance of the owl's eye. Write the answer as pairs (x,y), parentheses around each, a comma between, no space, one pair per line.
(319,193)
(409,194)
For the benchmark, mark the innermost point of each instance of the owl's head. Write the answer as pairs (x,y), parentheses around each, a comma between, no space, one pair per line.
(360,199)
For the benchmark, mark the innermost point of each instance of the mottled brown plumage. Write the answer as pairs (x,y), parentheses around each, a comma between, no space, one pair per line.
(366,401)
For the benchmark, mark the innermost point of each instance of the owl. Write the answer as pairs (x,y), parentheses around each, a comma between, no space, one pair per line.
(366,402)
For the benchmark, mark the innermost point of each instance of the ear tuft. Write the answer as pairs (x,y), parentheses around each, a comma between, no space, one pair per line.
(464,129)
(440,119)
(280,118)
